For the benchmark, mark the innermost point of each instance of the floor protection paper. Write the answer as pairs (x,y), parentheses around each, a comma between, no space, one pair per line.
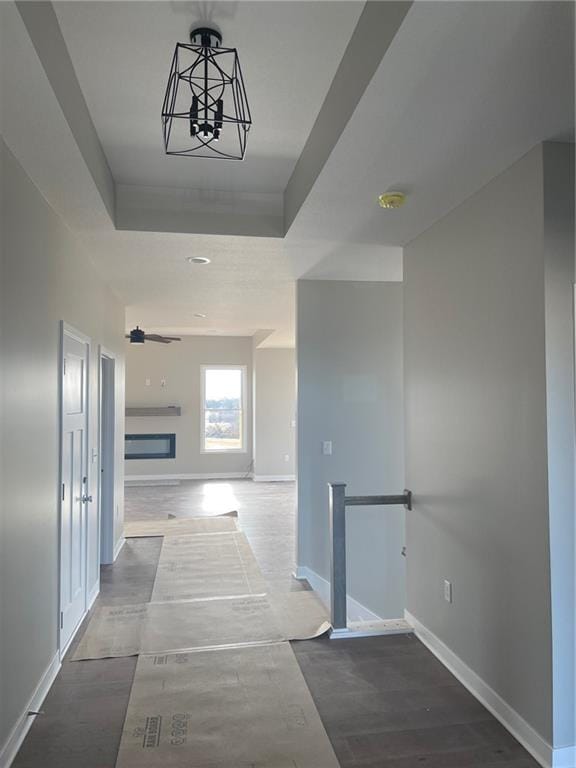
(128,630)
(181,526)
(193,567)
(235,708)
(300,615)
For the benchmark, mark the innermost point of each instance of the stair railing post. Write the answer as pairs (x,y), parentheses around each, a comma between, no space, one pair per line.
(337,493)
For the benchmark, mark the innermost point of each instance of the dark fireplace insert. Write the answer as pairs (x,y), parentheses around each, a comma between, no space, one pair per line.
(162,446)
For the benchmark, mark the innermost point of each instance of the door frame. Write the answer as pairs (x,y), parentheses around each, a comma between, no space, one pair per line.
(72,332)
(106,541)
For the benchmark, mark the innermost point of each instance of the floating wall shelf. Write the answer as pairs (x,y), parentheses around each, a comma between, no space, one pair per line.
(168,410)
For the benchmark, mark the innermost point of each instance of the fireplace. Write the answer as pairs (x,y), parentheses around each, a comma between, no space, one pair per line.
(160,446)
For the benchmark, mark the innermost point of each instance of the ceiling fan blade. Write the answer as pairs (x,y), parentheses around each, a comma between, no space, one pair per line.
(155,337)
(172,338)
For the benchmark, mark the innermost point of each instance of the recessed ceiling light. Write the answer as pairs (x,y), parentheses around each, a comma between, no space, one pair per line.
(198,260)
(199,314)
(392,200)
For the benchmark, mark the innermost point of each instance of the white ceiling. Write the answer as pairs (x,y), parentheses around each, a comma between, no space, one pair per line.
(289,53)
(45,147)
(247,287)
(464,90)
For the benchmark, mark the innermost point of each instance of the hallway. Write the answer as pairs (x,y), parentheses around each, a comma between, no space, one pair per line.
(266,514)
(385,702)
(375,292)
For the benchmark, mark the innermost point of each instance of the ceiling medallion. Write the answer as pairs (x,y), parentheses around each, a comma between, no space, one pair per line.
(205,111)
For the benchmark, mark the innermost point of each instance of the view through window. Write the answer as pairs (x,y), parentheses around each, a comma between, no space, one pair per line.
(223,409)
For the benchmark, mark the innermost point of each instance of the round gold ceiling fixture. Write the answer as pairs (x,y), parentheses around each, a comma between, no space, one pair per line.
(392,200)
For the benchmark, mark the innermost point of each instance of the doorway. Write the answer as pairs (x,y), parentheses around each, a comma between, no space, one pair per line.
(75,486)
(106,490)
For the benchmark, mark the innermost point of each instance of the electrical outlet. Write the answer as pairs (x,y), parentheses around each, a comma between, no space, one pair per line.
(327,447)
(447,591)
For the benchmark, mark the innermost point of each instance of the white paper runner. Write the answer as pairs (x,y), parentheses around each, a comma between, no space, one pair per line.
(191,567)
(241,708)
(180,526)
(214,622)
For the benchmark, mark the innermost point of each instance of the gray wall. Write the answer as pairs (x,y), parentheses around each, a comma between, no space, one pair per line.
(349,373)
(46,278)
(179,364)
(478,329)
(274,412)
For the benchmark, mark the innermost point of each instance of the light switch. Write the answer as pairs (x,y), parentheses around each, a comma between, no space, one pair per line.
(147,382)
(162,382)
(327,448)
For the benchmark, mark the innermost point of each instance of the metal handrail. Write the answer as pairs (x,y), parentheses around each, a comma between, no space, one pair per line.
(338,503)
(376,501)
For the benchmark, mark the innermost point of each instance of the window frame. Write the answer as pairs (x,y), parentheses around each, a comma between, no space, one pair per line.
(244,401)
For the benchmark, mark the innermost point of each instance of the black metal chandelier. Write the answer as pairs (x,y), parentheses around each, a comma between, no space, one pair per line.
(205,111)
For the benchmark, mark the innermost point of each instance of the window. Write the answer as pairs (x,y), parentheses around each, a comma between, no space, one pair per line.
(223,409)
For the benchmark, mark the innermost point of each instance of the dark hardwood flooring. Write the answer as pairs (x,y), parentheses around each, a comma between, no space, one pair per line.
(85,708)
(385,702)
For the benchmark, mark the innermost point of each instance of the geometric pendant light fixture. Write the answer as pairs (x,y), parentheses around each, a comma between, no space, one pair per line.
(205,111)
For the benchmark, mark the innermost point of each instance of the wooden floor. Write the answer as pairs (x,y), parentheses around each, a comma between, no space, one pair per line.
(389,703)
(266,514)
(85,708)
(385,702)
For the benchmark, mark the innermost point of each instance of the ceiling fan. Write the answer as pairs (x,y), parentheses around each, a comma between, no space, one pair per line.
(137,336)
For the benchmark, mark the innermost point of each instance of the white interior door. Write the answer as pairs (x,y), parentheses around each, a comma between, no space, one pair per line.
(74,492)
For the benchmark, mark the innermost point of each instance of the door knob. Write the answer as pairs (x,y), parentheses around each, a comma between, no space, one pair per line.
(86,499)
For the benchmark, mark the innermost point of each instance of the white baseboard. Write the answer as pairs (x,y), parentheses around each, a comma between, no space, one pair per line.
(273,478)
(205,476)
(128,482)
(355,610)
(538,747)
(118,548)
(10,748)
